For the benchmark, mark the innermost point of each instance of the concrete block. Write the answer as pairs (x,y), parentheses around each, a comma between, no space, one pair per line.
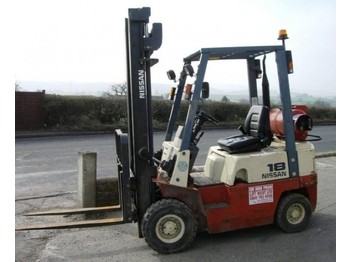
(107,191)
(87,179)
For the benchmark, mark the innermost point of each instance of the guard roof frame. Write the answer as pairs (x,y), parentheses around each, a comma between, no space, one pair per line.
(226,53)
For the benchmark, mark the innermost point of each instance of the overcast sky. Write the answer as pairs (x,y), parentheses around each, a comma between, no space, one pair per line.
(69,40)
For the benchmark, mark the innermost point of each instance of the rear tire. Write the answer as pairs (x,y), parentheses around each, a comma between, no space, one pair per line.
(169,226)
(293,213)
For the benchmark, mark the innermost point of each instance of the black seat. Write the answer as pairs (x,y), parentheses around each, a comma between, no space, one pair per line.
(256,133)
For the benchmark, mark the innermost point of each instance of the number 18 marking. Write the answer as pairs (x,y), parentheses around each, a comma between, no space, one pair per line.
(277,166)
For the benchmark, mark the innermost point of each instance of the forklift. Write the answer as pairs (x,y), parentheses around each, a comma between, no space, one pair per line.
(263,176)
(266,175)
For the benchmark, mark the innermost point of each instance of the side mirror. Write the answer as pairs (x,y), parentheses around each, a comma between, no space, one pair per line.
(171,75)
(289,62)
(257,68)
(189,69)
(205,90)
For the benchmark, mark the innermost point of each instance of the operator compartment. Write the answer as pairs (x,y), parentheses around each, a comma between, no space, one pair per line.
(259,154)
(259,166)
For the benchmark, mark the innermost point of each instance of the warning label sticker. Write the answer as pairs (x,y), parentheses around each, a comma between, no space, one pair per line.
(260,194)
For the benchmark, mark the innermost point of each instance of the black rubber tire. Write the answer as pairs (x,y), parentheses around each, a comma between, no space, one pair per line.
(293,213)
(169,226)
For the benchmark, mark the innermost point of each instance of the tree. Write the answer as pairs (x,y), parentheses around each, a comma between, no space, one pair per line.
(225,99)
(120,89)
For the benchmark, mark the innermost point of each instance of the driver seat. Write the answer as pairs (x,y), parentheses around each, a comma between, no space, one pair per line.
(256,133)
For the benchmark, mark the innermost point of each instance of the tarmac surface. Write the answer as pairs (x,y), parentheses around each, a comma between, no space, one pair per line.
(121,242)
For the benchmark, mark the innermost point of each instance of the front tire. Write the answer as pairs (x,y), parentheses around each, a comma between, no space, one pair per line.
(293,213)
(169,226)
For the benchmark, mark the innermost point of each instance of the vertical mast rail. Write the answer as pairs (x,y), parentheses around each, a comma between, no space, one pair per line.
(140,46)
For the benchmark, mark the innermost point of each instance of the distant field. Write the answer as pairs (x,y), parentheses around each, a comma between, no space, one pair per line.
(297,99)
(233,93)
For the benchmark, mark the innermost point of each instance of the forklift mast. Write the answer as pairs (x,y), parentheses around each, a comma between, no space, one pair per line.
(140,45)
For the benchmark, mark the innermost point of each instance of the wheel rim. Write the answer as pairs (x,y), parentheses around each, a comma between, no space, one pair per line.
(170,228)
(295,214)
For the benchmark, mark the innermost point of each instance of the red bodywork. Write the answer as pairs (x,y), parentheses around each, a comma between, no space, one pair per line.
(221,207)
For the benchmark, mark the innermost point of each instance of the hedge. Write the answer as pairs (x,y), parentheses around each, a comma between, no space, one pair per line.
(106,113)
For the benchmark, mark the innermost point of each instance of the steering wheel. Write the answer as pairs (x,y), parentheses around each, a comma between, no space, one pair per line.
(207,117)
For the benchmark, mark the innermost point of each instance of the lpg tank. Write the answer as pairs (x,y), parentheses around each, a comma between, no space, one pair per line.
(302,122)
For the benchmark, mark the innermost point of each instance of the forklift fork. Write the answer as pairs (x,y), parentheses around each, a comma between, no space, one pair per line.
(123,212)
(74,224)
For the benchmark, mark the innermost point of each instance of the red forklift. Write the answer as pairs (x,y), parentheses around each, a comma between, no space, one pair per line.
(265,175)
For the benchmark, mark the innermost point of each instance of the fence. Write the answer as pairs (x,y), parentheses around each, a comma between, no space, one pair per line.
(29,110)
